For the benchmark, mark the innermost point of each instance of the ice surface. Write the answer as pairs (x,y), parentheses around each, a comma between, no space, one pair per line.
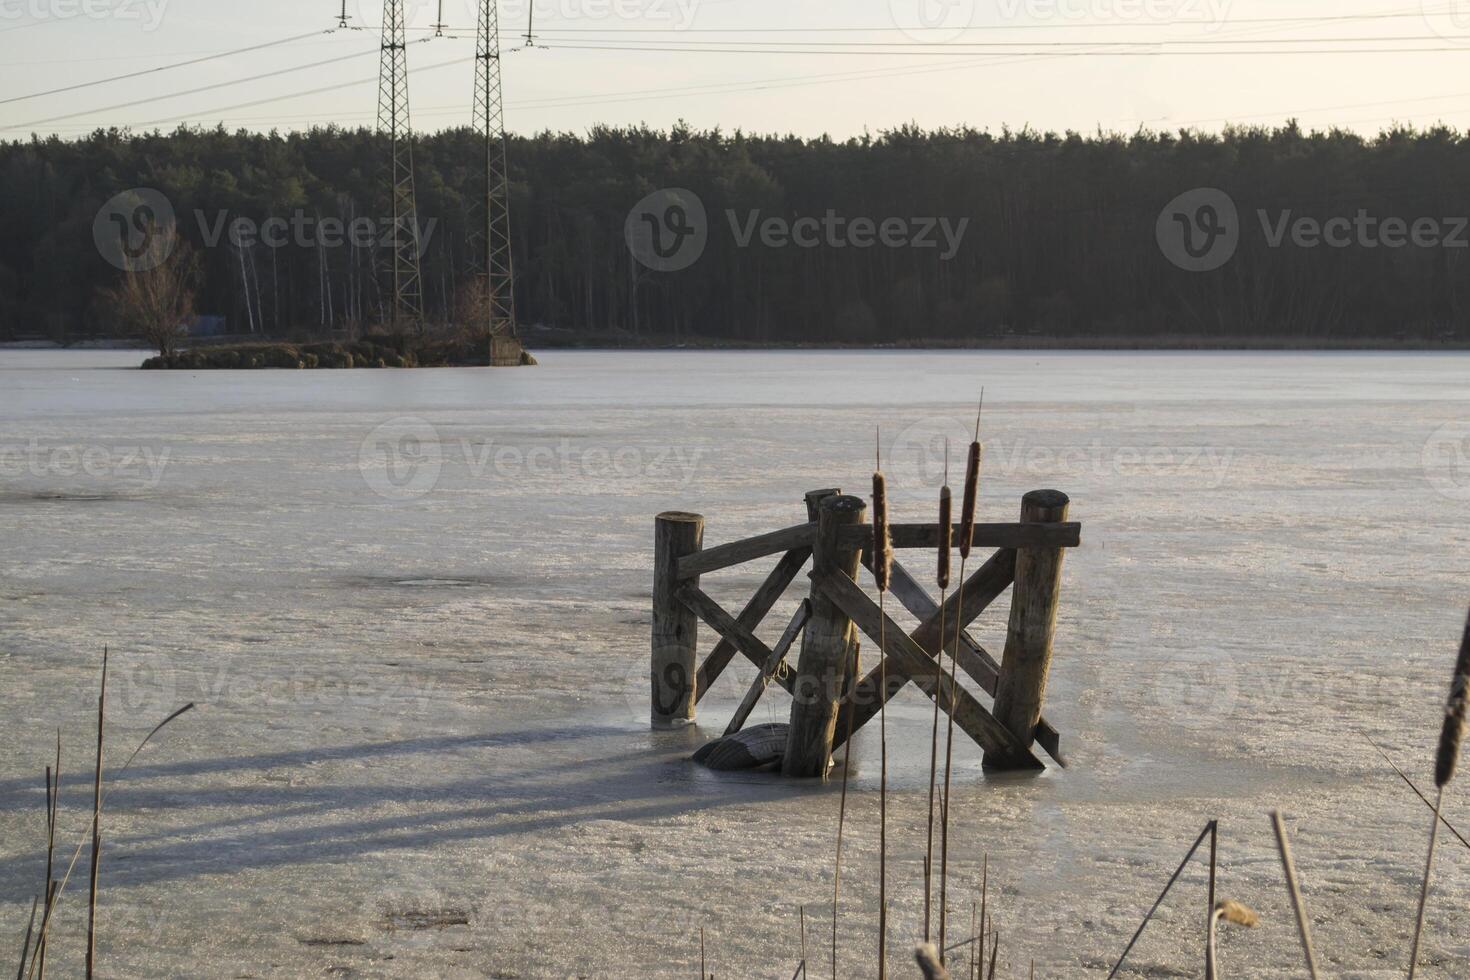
(413,609)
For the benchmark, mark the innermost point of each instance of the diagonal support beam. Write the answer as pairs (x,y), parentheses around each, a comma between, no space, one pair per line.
(955,701)
(751,617)
(973,658)
(981,589)
(730,628)
(771,668)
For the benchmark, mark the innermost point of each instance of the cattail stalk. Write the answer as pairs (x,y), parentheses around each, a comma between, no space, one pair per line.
(967,536)
(852,663)
(96,828)
(1445,761)
(984,912)
(1288,866)
(1235,914)
(946,545)
(882,569)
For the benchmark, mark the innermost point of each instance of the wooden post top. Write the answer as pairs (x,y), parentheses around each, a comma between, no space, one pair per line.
(844,503)
(680,517)
(1046,499)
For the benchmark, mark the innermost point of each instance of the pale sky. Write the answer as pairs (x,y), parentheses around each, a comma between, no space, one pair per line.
(799,66)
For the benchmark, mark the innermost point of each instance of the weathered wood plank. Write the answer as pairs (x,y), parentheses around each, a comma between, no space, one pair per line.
(973,658)
(826,646)
(981,588)
(770,667)
(715,616)
(1027,534)
(1027,658)
(673,667)
(968,713)
(752,615)
(746,549)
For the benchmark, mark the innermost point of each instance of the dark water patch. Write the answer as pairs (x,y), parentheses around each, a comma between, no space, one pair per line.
(426,581)
(64,496)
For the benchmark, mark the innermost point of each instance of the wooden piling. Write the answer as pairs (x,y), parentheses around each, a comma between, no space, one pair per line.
(674,668)
(1021,688)
(826,645)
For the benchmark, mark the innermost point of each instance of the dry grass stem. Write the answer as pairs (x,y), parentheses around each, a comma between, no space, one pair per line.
(1288,866)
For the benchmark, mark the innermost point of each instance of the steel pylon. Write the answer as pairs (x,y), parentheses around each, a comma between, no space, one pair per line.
(489,122)
(393,121)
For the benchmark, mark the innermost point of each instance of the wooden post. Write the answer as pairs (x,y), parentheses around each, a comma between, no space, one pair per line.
(826,646)
(1022,686)
(674,668)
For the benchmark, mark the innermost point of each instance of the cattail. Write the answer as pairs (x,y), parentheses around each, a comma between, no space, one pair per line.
(1237,914)
(1234,913)
(946,535)
(1450,737)
(1453,732)
(882,539)
(967,507)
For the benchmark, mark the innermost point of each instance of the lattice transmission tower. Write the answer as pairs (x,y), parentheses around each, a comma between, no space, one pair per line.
(489,121)
(393,121)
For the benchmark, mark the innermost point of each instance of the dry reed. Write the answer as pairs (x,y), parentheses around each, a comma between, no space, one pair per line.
(946,545)
(882,570)
(967,535)
(1160,900)
(1234,913)
(1298,907)
(1452,733)
(852,664)
(57,887)
(96,867)
(1417,791)
(929,962)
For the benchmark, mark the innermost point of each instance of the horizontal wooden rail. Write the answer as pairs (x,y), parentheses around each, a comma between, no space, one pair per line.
(1063,535)
(747,549)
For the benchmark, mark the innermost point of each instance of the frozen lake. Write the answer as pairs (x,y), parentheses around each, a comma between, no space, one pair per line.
(412,607)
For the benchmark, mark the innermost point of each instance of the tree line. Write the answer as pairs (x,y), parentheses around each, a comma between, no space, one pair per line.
(909,236)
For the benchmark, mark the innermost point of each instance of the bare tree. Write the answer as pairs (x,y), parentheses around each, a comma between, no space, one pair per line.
(156,299)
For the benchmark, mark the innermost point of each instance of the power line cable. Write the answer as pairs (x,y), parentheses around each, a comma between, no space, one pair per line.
(161,68)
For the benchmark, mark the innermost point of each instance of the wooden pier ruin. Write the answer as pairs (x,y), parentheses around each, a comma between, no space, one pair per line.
(826,683)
